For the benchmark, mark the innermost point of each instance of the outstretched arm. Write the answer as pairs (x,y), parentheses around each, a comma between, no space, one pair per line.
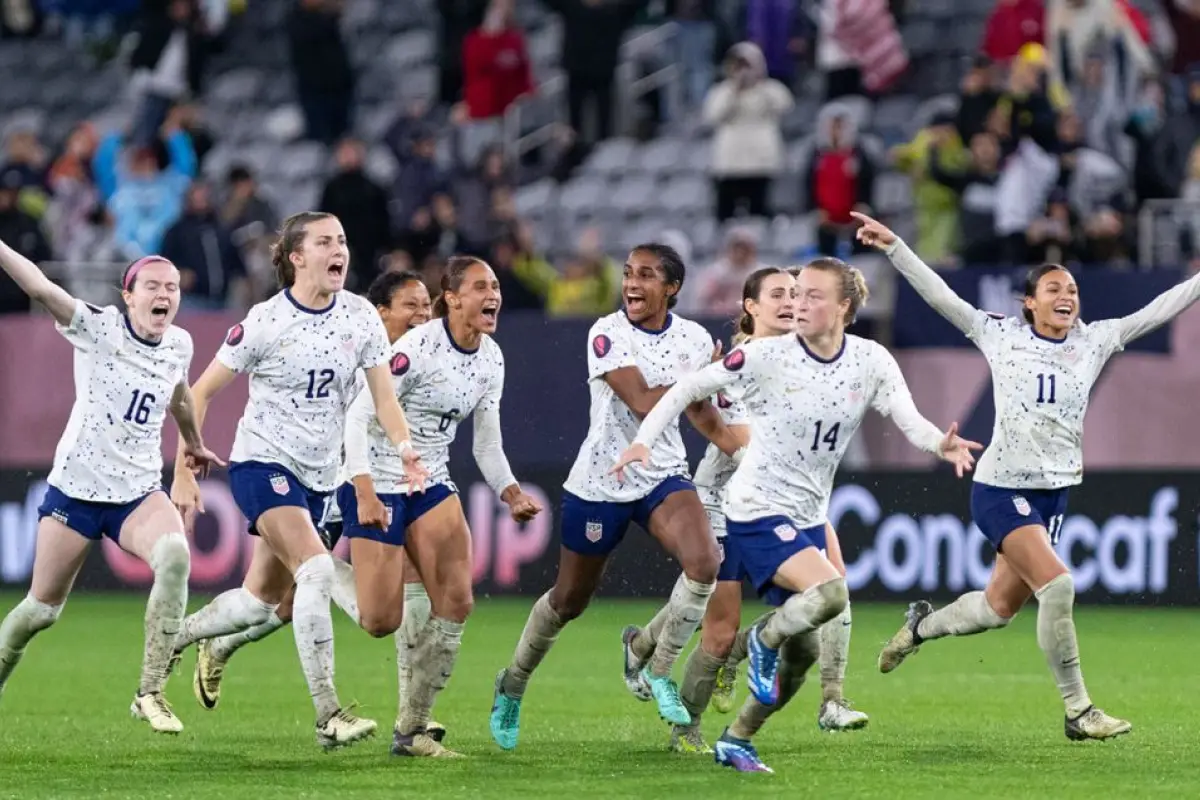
(34,283)
(1160,310)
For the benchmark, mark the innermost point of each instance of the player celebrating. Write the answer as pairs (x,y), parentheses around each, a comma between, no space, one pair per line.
(403,303)
(633,354)
(107,474)
(1043,367)
(301,349)
(805,396)
(443,371)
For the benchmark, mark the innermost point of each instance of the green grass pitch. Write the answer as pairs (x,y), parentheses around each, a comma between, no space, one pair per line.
(976,718)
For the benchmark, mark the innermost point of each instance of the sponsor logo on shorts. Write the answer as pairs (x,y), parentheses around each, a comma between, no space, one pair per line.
(280,484)
(61,516)
(786,533)
(593,531)
(1021,505)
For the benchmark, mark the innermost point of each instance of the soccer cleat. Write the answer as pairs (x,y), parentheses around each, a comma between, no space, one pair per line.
(1095,724)
(906,641)
(155,709)
(435,731)
(739,754)
(632,665)
(763,675)
(688,740)
(505,721)
(837,715)
(420,745)
(344,729)
(206,681)
(666,695)
(725,687)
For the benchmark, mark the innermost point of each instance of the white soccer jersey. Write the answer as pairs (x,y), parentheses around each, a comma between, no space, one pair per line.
(302,366)
(1041,386)
(662,357)
(111,449)
(439,384)
(802,412)
(716,468)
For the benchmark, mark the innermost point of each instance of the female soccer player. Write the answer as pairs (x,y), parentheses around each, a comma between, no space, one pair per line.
(805,396)
(130,369)
(301,349)
(403,303)
(1043,367)
(633,354)
(443,371)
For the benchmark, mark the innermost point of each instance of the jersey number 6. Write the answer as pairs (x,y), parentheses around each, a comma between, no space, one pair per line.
(447,418)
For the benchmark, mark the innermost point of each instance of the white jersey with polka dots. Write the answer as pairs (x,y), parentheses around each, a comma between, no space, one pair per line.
(111,449)
(439,384)
(302,364)
(1041,386)
(716,468)
(663,356)
(802,412)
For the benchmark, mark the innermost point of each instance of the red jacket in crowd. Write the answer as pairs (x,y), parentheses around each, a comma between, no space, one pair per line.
(1013,24)
(496,71)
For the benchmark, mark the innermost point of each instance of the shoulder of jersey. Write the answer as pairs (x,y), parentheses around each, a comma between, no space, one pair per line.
(179,337)
(691,328)
(355,302)
(609,321)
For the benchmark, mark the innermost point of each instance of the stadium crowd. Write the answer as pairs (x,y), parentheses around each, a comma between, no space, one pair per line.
(1093,106)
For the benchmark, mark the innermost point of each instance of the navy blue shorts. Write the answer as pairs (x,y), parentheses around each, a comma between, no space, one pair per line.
(405,509)
(731,564)
(998,512)
(259,487)
(89,519)
(761,547)
(596,527)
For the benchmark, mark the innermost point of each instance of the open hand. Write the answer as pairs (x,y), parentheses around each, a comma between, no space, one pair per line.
(636,454)
(957,451)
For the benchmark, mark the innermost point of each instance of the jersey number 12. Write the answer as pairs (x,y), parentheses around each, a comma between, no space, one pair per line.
(1046,387)
(321,389)
(830,438)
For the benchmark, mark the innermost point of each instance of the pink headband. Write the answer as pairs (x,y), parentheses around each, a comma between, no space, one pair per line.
(136,267)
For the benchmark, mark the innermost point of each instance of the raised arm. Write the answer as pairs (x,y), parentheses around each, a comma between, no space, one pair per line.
(1160,310)
(928,284)
(34,283)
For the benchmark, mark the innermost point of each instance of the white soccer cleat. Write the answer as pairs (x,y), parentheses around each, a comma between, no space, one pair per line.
(1095,724)
(344,729)
(906,641)
(206,681)
(155,709)
(633,667)
(420,745)
(837,715)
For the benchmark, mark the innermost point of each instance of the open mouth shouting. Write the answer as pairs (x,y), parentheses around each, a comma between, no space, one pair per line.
(490,311)
(635,303)
(337,269)
(159,311)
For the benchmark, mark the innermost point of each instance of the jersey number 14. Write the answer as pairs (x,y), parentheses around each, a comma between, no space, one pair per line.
(830,438)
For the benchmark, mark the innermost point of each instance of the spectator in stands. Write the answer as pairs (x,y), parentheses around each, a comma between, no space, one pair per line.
(188,117)
(168,63)
(976,187)
(1092,179)
(587,285)
(475,190)
(516,287)
(413,142)
(977,98)
(592,35)
(451,239)
(362,206)
(1074,26)
(746,110)
(1180,132)
(1011,25)
(1099,102)
(1026,108)
(22,233)
(858,47)
(1051,237)
(1184,16)
(74,195)
(782,31)
(936,205)
(459,17)
(252,222)
(1143,126)
(25,155)
(718,287)
(496,66)
(322,69)
(839,179)
(695,45)
(212,275)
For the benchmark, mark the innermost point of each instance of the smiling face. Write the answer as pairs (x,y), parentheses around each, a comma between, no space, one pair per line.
(322,259)
(645,288)
(409,307)
(774,310)
(1054,305)
(152,299)
(477,298)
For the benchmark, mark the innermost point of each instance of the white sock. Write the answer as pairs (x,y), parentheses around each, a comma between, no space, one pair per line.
(313,626)
(646,640)
(345,591)
(1056,637)
(805,612)
(171,562)
(22,623)
(540,633)
(433,663)
(685,609)
(835,652)
(970,613)
(229,612)
(416,617)
(224,647)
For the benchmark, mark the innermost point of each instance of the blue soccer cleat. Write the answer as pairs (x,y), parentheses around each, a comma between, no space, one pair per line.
(505,721)
(739,754)
(666,694)
(763,675)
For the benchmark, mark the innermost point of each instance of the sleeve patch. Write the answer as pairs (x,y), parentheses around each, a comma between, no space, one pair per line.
(601,345)
(235,335)
(734,361)
(400,364)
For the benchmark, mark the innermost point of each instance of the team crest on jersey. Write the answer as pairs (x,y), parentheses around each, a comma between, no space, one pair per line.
(235,336)
(400,364)
(601,345)
(593,531)
(1021,505)
(280,484)
(734,361)
(786,533)
(348,342)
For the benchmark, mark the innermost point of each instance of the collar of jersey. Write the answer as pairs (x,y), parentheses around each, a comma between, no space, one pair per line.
(816,357)
(288,294)
(651,331)
(136,338)
(454,344)
(1049,339)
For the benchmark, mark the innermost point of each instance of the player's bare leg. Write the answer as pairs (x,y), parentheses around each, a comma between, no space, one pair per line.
(58,556)
(154,533)
(439,546)
(578,578)
(836,713)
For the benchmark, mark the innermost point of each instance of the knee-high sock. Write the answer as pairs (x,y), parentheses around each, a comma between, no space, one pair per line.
(805,612)
(685,609)
(971,613)
(416,617)
(797,655)
(171,562)
(26,620)
(224,647)
(737,653)
(229,612)
(432,665)
(540,633)
(1056,637)
(699,678)
(835,652)
(312,625)
(644,642)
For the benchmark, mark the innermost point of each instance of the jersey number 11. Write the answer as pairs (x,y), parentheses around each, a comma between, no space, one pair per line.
(1046,387)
